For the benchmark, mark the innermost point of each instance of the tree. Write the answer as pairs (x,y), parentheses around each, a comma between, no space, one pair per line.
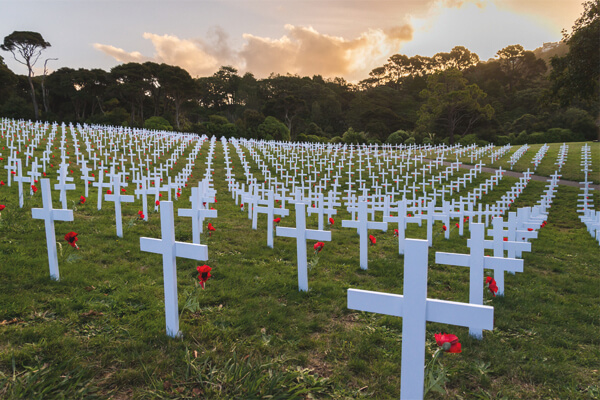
(273,129)
(29,45)
(519,65)
(178,85)
(577,74)
(451,103)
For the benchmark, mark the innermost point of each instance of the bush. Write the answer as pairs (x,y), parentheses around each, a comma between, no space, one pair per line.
(336,139)
(502,140)
(397,137)
(274,129)
(522,138)
(353,137)
(538,137)
(468,139)
(158,123)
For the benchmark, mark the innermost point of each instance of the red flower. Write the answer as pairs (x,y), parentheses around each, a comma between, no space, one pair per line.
(331,221)
(157,203)
(71,237)
(396,233)
(445,228)
(491,282)
(34,188)
(211,229)
(109,191)
(123,190)
(1,183)
(277,220)
(318,246)
(203,274)
(409,215)
(372,239)
(2,207)
(82,200)
(453,345)
(530,229)
(506,239)
(457,225)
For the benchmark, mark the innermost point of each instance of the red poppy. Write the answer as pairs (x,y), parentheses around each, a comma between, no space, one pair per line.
(123,190)
(445,228)
(331,221)
(506,239)
(82,200)
(157,203)
(457,225)
(109,191)
(1,183)
(2,207)
(318,246)
(211,229)
(372,239)
(34,188)
(453,345)
(203,274)
(396,233)
(71,237)
(409,215)
(530,229)
(277,220)
(491,282)
(13,172)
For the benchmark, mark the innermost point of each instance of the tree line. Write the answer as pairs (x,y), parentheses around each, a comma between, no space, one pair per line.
(519,96)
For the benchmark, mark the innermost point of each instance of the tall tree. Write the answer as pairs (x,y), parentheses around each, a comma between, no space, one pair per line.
(577,74)
(29,46)
(452,104)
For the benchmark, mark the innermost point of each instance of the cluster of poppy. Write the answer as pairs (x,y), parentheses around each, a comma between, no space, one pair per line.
(34,188)
(203,274)
(82,200)
(318,247)
(491,284)
(211,229)
(141,215)
(448,342)
(373,240)
(71,238)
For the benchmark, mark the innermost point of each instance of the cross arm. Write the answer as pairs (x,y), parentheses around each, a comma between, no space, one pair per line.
(286,232)
(506,264)
(461,314)
(318,235)
(151,245)
(381,303)
(192,251)
(459,260)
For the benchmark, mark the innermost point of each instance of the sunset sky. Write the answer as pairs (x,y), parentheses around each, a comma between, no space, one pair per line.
(327,37)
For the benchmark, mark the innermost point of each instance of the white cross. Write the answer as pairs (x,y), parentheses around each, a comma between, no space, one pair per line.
(271,211)
(477,262)
(302,235)
(197,212)
(401,219)
(416,310)
(20,179)
(170,250)
(362,225)
(63,186)
(118,198)
(49,215)
(100,185)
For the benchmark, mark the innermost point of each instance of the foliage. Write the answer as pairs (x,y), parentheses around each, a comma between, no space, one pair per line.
(353,137)
(158,123)
(274,129)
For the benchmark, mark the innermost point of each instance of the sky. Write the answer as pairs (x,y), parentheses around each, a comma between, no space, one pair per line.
(332,38)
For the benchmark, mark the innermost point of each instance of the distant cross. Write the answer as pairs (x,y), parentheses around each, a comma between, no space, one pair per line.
(63,186)
(170,250)
(302,235)
(362,225)
(271,211)
(416,310)
(198,213)
(118,198)
(49,215)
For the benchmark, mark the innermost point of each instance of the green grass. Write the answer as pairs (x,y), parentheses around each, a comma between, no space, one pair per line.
(100,330)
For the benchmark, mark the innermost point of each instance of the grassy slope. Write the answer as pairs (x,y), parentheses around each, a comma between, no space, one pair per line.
(252,328)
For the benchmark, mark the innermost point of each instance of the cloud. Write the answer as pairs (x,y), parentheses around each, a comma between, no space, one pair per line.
(120,54)
(302,51)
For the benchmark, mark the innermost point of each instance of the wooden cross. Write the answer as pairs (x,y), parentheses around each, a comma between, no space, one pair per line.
(170,250)
(49,215)
(416,310)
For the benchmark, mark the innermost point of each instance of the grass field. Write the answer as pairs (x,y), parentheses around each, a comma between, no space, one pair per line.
(100,331)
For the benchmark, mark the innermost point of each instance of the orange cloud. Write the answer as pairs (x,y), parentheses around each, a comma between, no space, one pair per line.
(303,51)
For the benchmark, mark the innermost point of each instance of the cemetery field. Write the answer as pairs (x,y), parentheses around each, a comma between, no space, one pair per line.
(99,332)
(572,169)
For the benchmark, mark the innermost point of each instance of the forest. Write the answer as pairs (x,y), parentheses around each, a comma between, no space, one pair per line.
(520,96)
